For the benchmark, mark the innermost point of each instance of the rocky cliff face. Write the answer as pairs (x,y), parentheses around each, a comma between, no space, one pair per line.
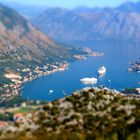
(16,32)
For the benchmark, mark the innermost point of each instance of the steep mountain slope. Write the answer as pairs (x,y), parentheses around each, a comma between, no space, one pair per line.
(23,46)
(92,24)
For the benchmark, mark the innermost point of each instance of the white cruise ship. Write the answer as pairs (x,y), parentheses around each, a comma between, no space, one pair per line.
(89,81)
(102,71)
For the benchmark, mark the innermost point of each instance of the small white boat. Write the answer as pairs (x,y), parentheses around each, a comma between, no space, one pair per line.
(51,91)
(89,81)
(102,71)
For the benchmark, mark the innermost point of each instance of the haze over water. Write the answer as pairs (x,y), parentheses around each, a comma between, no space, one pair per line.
(117,58)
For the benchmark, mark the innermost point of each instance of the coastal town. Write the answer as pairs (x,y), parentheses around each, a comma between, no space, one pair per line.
(17,80)
(29,74)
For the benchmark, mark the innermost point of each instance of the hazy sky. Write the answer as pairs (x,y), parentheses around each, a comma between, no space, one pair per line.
(71,3)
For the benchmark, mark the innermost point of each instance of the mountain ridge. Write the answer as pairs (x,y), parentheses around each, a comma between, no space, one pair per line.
(89,24)
(130,7)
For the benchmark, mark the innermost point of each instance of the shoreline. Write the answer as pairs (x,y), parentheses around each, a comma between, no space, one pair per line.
(65,65)
(38,72)
(17,81)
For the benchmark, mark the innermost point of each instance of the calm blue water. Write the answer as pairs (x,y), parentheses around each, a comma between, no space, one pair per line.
(116,59)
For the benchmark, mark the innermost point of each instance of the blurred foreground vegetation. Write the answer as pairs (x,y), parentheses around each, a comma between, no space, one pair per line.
(90,114)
